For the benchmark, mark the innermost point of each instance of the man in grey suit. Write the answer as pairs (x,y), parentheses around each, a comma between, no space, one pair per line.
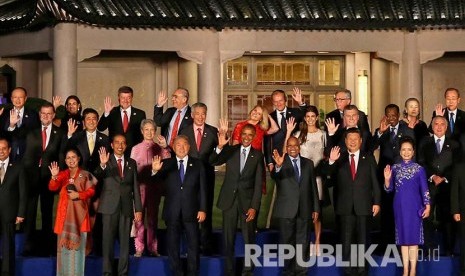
(296,202)
(241,192)
(119,202)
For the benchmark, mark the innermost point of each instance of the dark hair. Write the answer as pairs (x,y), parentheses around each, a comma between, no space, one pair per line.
(249,126)
(279,91)
(405,107)
(125,89)
(116,135)
(77,152)
(351,107)
(452,89)
(47,105)
(89,111)
(74,97)
(5,140)
(303,125)
(407,139)
(352,130)
(391,106)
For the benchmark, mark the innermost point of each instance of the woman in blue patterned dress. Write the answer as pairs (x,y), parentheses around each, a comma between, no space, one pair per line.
(411,203)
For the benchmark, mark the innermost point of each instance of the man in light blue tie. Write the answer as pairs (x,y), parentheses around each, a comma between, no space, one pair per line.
(241,192)
(454,116)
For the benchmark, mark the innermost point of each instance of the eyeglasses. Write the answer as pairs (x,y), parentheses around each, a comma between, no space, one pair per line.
(340,99)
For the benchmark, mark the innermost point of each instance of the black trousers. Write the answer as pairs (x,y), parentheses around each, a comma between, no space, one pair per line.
(354,229)
(230,221)
(295,231)
(174,233)
(115,225)
(8,247)
(206,227)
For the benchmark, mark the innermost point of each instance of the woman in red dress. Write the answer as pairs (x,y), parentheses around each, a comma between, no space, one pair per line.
(264,125)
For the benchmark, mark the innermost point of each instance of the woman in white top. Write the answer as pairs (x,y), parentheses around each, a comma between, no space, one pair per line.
(312,143)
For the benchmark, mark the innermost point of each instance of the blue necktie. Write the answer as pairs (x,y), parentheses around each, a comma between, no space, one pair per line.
(242,160)
(438,146)
(393,133)
(451,122)
(296,170)
(181,170)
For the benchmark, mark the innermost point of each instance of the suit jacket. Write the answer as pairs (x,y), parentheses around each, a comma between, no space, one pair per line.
(457,193)
(114,123)
(90,161)
(118,191)
(208,143)
(34,153)
(336,115)
(389,150)
(163,119)
(296,198)
(246,186)
(438,164)
(17,137)
(276,140)
(359,195)
(459,124)
(13,197)
(183,199)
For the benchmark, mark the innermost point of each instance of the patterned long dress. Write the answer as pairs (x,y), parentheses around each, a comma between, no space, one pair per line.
(411,196)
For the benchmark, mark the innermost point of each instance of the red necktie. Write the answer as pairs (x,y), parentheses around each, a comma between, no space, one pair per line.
(199,138)
(352,165)
(120,167)
(125,121)
(174,133)
(44,138)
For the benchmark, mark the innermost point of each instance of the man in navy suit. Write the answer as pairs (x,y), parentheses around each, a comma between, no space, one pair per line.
(241,192)
(280,115)
(203,138)
(12,205)
(120,202)
(343,98)
(17,122)
(175,118)
(387,138)
(185,203)
(44,145)
(124,119)
(297,202)
(357,194)
(454,116)
(438,154)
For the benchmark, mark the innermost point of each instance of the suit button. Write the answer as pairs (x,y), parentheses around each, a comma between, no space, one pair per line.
(234,191)
(181,187)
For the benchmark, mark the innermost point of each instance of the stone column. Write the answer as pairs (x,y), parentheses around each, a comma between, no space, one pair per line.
(410,68)
(64,60)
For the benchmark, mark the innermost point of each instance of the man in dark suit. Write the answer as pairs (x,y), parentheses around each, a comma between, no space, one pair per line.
(455,117)
(175,118)
(17,122)
(241,192)
(88,142)
(12,204)
(44,146)
(335,132)
(120,202)
(203,138)
(457,202)
(357,196)
(185,203)
(343,98)
(124,119)
(438,154)
(296,202)
(387,138)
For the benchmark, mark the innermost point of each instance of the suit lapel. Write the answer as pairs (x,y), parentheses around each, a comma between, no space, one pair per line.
(250,159)
(9,171)
(53,133)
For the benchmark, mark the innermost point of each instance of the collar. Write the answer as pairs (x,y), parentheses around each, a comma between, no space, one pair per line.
(440,138)
(452,111)
(127,109)
(357,153)
(396,126)
(6,162)
(185,159)
(183,110)
(116,158)
(284,110)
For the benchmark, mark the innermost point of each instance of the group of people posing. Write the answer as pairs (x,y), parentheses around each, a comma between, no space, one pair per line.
(113,184)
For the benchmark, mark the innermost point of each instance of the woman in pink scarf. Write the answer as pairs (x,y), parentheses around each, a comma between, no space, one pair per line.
(150,192)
